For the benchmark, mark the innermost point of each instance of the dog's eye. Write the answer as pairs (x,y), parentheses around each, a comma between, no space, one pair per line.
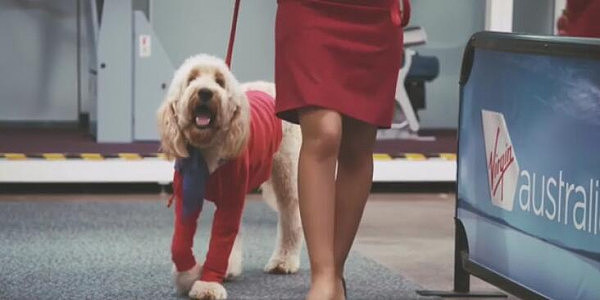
(220,82)
(193,75)
(190,79)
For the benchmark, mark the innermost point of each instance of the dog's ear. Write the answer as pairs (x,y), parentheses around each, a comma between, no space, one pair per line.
(172,140)
(237,135)
(238,127)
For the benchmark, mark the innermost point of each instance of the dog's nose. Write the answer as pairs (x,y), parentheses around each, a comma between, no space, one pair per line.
(205,95)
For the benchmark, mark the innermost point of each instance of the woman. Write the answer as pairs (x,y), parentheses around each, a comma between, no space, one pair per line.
(337,64)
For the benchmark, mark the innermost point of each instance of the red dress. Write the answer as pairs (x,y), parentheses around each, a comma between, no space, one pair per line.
(581,18)
(342,55)
(227,188)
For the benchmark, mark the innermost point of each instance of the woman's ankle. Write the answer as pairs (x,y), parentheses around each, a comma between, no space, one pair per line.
(324,275)
(326,287)
(339,273)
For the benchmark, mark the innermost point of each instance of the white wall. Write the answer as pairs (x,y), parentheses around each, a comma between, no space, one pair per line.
(38,60)
(499,15)
(559,5)
(188,27)
(449,25)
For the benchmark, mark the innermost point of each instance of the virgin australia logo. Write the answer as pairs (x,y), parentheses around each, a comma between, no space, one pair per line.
(502,165)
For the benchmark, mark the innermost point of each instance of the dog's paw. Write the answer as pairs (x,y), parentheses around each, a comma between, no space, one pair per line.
(207,291)
(288,264)
(183,281)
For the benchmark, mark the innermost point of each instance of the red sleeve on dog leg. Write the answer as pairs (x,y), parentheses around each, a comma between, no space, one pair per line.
(183,236)
(228,192)
(222,237)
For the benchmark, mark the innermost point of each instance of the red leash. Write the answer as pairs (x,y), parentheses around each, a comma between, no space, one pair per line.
(232,33)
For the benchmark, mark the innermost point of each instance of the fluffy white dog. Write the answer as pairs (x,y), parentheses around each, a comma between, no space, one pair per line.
(208,113)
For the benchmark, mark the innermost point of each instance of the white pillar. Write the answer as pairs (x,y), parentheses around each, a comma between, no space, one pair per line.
(559,5)
(499,15)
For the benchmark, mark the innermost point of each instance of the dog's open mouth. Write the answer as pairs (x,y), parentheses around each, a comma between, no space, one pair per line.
(203,117)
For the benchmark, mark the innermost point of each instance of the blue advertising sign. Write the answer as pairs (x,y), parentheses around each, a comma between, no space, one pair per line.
(529,170)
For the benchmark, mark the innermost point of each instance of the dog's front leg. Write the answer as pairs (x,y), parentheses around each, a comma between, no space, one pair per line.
(286,256)
(234,267)
(225,229)
(185,269)
(184,280)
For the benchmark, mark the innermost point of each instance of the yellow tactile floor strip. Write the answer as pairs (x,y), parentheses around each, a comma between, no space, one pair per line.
(91,156)
(54,156)
(138,156)
(415,156)
(130,156)
(15,156)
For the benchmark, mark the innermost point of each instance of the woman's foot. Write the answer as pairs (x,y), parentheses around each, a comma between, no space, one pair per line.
(326,289)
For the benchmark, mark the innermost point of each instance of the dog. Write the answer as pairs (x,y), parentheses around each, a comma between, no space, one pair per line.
(209,117)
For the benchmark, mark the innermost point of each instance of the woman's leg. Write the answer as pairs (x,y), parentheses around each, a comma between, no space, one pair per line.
(321,134)
(354,178)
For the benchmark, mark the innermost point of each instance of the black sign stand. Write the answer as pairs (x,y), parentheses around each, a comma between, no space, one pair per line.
(462,279)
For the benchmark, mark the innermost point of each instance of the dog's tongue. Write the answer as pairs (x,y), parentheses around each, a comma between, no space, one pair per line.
(202,119)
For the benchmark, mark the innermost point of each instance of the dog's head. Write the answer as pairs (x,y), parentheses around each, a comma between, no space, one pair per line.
(205,107)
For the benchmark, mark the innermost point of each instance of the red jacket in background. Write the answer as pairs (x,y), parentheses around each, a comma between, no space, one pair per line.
(581,18)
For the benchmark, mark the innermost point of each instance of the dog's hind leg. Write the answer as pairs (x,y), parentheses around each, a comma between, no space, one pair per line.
(234,266)
(282,190)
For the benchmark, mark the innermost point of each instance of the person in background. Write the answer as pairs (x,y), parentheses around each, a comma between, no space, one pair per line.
(336,68)
(581,18)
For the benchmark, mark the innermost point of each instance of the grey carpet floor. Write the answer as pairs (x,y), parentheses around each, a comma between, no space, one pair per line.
(120,250)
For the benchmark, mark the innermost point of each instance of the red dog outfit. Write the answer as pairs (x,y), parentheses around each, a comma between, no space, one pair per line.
(227,188)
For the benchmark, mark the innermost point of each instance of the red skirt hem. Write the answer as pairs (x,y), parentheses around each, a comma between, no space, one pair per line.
(337,55)
(291,115)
